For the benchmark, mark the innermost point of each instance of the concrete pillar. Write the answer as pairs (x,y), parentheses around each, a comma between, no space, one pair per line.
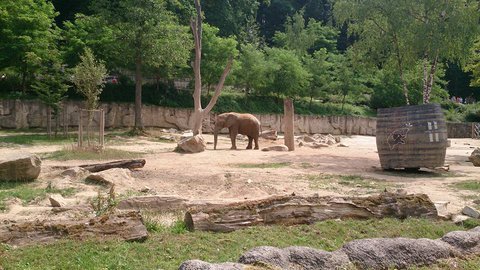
(288,119)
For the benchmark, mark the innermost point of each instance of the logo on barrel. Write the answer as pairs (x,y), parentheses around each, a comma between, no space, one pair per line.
(398,136)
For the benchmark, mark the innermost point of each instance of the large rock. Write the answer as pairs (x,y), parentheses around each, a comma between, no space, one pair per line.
(464,241)
(313,259)
(304,258)
(200,265)
(389,253)
(475,157)
(19,167)
(57,200)
(195,144)
(279,148)
(267,255)
(75,173)
(471,212)
(269,134)
(112,177)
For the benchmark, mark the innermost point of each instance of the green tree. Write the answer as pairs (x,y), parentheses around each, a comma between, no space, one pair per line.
(404,32)
(232,17)
(140,31)
(251,71)
(215,50)
(351,77)
(302,38)
(51,85)
(474,65)
(88,32)
(27,33)
(320,67)
(88,78)
(285,74)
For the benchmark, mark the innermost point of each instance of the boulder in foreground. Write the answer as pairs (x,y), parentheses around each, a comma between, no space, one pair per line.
(194,144)
(19,167)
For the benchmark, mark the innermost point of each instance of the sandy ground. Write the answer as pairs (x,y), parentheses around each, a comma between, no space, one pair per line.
(228,175)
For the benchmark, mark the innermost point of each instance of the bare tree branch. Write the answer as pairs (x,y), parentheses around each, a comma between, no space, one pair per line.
(219,87)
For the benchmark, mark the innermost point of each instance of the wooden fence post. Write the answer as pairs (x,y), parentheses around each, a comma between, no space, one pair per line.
(289,124)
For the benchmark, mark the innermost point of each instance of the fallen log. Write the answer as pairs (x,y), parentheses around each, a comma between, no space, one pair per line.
(125,164)
(125,226)
(291,210)
(154,203)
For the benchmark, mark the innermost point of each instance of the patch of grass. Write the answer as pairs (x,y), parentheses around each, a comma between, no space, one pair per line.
(330,181)
(28,192)
(79,154)
(422,173)
(305,165)
(473,185)
(166,249)
(274,165)
(34,139)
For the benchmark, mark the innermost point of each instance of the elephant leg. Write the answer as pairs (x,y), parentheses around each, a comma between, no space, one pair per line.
(256,142)
(250,139)
(233,138)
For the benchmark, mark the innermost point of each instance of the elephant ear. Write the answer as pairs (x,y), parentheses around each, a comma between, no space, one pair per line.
(231,120)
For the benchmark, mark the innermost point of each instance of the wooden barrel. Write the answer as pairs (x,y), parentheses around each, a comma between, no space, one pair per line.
(411,137)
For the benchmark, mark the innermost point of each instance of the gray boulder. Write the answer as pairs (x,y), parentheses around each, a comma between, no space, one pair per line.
(75,173)
(57,200)
(200,265)
(280,148)
(471,212)
(19,167)
(475,157)
(194,144)
(304,258)
(313,259)
(268,255)
(387,253)
(464,241)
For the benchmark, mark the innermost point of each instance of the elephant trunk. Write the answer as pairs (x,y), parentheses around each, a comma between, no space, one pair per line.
(215,137)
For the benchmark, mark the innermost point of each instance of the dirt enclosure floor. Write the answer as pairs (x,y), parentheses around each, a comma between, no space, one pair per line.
(237,175)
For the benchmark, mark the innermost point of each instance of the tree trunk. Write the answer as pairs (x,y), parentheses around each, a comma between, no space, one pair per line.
(343,101)
(57,122)
(138,94)
(429,80)
(199,112)
(291,210)
(125,226)
(197,121)
(49,122)
(288,119)
(125,164)
(24,79)
(400,69)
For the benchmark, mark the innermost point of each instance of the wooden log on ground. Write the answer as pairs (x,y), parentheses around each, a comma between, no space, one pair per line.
(291,210)
(125,226)
(154,203)
(125,164)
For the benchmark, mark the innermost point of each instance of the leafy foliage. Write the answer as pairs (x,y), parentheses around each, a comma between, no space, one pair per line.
(88,77)
(27,35)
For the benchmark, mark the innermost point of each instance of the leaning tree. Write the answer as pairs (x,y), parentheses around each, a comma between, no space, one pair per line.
(199,111)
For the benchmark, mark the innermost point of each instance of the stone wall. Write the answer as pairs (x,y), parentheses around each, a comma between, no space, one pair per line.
(32,114)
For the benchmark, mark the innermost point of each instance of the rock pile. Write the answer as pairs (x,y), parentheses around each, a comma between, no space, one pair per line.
(317,140)
(377,253)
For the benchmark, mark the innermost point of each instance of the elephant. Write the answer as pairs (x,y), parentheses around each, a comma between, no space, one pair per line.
(238,123)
